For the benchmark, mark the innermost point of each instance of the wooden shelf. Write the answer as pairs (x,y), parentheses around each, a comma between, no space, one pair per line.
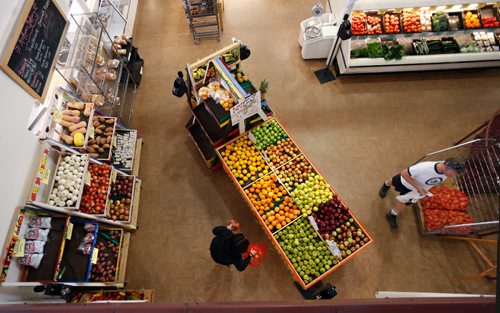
(137,156)
(135,205)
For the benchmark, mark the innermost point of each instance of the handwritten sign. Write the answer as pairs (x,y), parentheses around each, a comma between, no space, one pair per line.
(19,248)
(45,176)
(34,46)
(251,105)
(88,178)
(95,253)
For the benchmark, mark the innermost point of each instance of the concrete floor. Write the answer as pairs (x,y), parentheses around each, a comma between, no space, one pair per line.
(356,130)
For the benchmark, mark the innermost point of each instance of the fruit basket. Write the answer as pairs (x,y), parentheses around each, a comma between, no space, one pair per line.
(392,23)
(97,188)
(374,24)
(101,136)
(120,202)
(107,258)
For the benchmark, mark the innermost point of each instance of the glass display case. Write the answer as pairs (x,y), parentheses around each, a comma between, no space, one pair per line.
(88,61)
(114,14)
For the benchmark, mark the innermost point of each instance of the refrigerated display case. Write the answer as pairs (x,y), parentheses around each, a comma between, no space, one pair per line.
(421,35)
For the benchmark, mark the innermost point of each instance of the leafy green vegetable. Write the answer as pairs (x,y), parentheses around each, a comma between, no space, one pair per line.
(375,50)
(395,52)
(440,22)
(359,53)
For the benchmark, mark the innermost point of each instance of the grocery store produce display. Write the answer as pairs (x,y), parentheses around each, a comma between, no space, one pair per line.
(95,194)
(411,21)
(296,172)
(472,20)
(108,246)
(374,25)
(101,138)
(121,198)
(286,200)
(282,152)
(68,180)
(244,160)
(391,23)
(268,134)
(359,23)
(305,249)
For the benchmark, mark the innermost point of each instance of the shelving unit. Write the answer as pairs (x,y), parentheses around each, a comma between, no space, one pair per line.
(203,18)
(351,60)
(210,125)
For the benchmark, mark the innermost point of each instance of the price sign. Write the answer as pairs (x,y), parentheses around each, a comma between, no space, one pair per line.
(69,231)
(113,175)
(333,248)
(252,137)
(19,248)
(114,141)
(382,12)
(88,178)
(398,10)
(249,106)
(92,132)
(313,222)
(95,253)
(57,116)
(45,176)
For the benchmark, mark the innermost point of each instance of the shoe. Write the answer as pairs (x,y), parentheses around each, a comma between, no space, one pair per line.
(383,190)
(391,219)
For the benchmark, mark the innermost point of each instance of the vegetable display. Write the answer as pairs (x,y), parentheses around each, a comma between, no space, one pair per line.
(95,195)
(395,52)
(74,121)
(472,20)
(391,23)
(411,21)
(446,199)
(120,198)
(374,24)
(490,22)
(440,22)
(100,145)
(437,219)
(68,181)
(374,49)
(123,153)
(108,245)
(359,23)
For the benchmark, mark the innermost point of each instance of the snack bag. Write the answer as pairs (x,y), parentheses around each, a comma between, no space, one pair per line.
(39,222)
(37,234)
(34,246)
(32,260)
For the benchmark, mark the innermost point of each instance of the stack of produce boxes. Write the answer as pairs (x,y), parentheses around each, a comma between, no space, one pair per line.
(309,224)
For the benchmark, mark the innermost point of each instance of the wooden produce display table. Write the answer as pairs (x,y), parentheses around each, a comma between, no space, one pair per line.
(284,233)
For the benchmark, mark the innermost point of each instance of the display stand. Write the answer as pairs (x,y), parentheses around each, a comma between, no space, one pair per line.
(458,43)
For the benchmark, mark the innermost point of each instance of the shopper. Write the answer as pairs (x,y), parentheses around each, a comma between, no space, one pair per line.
(415,182)
(227,247)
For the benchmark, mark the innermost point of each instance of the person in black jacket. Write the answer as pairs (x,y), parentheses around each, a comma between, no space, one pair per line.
(227,248)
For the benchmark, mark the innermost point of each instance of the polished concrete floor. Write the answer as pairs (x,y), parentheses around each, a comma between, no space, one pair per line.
(356,130)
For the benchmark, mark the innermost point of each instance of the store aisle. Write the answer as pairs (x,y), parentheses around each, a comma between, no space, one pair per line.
(357,131)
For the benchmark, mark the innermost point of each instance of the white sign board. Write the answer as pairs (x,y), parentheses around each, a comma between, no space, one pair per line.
(249,106)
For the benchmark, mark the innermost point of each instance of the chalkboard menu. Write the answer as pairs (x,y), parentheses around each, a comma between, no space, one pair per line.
(33,47)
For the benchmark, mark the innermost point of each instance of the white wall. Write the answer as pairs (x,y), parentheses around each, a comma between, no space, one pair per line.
(19,149)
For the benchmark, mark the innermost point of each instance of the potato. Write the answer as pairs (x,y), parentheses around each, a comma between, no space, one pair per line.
(102,119)
(108,129)
(103,141)
(110,121)
(108,139)
(77,126)
(102,127)
(108,134)
(76,105)
(101,150)
(98,131)
(106,146)
(96,124)
(90,149)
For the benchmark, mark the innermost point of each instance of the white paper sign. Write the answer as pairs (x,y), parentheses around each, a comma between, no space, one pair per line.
(313,222)
(333,248)
(246,108)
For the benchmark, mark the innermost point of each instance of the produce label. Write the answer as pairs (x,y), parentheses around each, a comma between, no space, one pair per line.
(398,10)
(313,222)
(57,115)
(94,255)
(88,178)
(19,248)
(113,175)
(92,132)
(252,137)
(114,141)
(45,177)
(333,248)
(69,231)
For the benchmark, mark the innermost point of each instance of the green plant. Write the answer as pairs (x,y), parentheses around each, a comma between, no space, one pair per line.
(264,86)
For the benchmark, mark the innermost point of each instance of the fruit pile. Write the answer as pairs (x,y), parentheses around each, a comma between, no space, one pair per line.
(437,219)
(440,22)
(121,198)
(268,134)
(244,161)
(95,195)
(68,181)
(265,193)
(445,199)
(425,20)
(310,194)
(331,214)
(296,172)
(411,21)
(282,152)
(490,22)
(107,258)
(359,23)
(391,23)
(199,73)
(349,238)
(308,254)
(281,215)
(240,76)
(374,25)
(472,20)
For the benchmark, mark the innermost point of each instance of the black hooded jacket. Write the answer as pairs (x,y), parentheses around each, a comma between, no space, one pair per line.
(221,251)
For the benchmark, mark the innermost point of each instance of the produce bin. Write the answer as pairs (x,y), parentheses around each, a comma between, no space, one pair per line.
(107,255)
(116,197)
(243,189)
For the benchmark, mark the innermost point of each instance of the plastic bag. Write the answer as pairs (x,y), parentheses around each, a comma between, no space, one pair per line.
(89,228)
(89,237)
(34,246)
(113,63)
(85,248)
(32,260)
(39,222)
(260,249)
(37,234)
